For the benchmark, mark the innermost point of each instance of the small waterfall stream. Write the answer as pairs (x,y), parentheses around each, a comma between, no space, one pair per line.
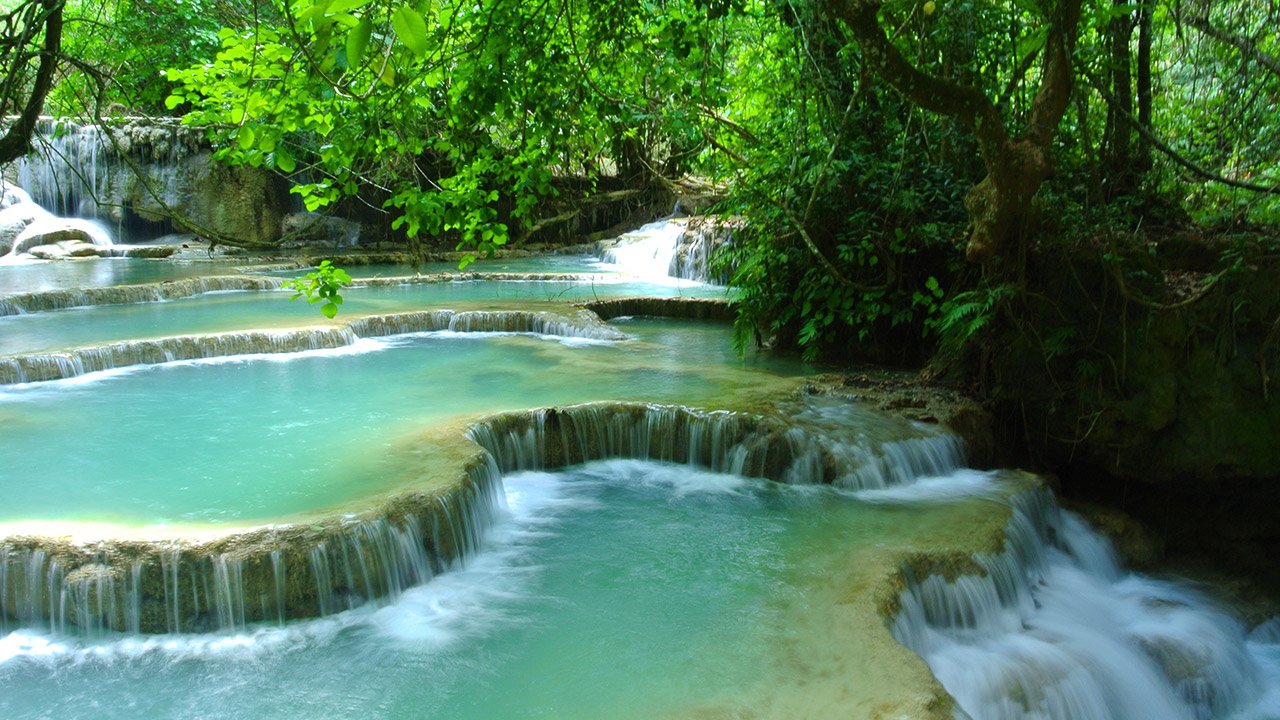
(668,248)
(1053,627)
(267,577)
(76,170)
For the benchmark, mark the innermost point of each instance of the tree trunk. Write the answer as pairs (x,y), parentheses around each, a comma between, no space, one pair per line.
(1119,150)
(1145,118)
(999,206)
(17,139)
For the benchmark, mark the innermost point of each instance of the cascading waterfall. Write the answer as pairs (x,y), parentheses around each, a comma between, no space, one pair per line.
(64,179)
(1052,627)
(123,294)
(74,363)
(668,248)
(68,170)
(648,251)
(43,300)
(139,587)
(735,443)
(274,575)
(76,170)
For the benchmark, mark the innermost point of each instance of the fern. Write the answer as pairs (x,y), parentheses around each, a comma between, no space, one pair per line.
(964,316)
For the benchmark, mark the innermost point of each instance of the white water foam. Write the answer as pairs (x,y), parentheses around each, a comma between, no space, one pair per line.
(959,484)
(461,605)
(649,252)
(682,480)
(1057,630)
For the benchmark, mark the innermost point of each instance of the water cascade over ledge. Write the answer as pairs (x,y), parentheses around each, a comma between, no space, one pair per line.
(278,573)
(670,248)
(44,300)
(73,363)
(1052,627)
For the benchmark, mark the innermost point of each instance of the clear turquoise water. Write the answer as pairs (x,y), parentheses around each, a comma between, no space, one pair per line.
(544,264)
(230,311)
(102,272)
(248,438)
(618,590)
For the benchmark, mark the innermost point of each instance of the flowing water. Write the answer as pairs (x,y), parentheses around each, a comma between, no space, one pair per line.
(230,311)
(622,589)
(260,437)
(102,272)
(541,264)
(618,588)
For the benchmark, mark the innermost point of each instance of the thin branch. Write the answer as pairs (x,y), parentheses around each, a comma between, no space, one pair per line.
(741,131)
(1244,44)
(1174,154)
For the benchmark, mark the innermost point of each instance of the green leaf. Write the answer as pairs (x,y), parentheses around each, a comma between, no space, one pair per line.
(285,161)
(244,137)
(357,41)
(411,29)
(173,101)
(315,11)
(341,6)
(329,310)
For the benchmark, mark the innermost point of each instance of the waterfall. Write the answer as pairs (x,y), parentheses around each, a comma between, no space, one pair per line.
(789,451)
(670,248)
(40,367)
(580,325)
(1051,627)
(73,363)
(266,576)
(77,170)
(68,169)
(43,300)
(648,251)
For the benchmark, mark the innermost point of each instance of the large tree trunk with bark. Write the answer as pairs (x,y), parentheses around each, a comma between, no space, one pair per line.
(1000,206)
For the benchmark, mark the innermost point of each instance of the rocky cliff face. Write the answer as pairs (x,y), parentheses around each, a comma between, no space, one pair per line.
(144,178)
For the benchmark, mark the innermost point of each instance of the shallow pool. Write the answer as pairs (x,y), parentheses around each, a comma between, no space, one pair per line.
(621,589)
(266,436)
(230,311)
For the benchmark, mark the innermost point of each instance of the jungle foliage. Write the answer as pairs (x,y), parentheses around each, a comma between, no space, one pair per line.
(897,162)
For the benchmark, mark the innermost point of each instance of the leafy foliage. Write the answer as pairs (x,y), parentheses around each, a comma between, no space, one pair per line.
(452,116)
(322,286)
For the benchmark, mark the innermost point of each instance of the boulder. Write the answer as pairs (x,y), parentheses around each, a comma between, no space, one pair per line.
(64,249)
(11,195)
(14,219)
(311,228)
(51,230)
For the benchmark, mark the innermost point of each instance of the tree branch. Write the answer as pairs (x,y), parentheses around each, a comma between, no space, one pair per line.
(966,103)
(1244,44)
(17,140)
(1174,154)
